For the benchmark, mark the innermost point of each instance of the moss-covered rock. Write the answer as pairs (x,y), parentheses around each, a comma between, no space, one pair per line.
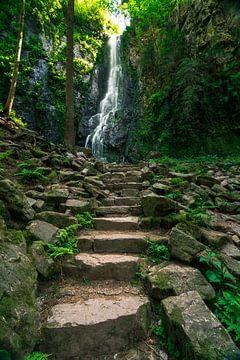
(183,246)
(18,310)
(175,279)
(197,332)
(15,200)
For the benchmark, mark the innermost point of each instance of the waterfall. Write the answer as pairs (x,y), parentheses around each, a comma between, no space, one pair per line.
(109,105)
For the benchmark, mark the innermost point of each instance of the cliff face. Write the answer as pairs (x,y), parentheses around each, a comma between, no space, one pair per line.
(40,96)
(188,100)
(120,124)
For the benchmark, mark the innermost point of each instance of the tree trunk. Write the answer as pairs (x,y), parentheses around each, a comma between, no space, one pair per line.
(69,129)
(11,95)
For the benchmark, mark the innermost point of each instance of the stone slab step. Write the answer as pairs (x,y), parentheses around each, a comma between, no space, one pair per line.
(115,178)
(113,242)
(117,223)
(130,193)
(121,201)
(96,327)
(124,185)
(101,266)
(123,168)
(119,210)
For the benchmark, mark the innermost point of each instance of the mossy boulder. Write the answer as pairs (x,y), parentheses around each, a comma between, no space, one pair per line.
(183,246)
(18,310)
(155,205)
(41,230)
(174,279)
(198,333)
(15,201)
(57,219)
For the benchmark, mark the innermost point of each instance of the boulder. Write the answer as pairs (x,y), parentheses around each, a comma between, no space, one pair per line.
(214,238)
(231,264)
(19,316)
(43,263)
(160,189)
(174,279)
(231,250)
(197,332)
(184,247)
(57,219)
(207,180)
(155,205)
(41,230)
(15,201)
(76,206)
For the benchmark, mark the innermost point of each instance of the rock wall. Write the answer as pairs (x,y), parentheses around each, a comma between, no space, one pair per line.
(187,100)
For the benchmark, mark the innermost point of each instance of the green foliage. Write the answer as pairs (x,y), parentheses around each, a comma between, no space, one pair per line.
(29,173)
(85,220)
(6,154)
(157,252)
(37,356)
(67,243)
(165,341)
(227,302)
(192,91)
(4,355)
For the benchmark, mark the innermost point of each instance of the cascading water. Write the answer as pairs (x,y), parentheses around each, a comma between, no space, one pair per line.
(110,104)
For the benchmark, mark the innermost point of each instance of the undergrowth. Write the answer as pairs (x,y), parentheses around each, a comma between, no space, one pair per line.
(67,243)
(37,356)
(227,301)
(157,252)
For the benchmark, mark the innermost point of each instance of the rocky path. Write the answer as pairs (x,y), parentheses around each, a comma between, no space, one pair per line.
(108,315)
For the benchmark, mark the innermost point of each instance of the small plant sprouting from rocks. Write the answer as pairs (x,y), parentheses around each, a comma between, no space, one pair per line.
(37,356)
(227,302)
(67,243)
(157,252)
(29,172)
(85,220)
(165,342)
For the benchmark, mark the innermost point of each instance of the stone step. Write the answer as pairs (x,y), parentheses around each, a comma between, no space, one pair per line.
(97,327)
(124,185)
(119,210)
(121,201)
(123,168)
(101,266)
(113,242)
(116,179)
(130,193)
(117,223)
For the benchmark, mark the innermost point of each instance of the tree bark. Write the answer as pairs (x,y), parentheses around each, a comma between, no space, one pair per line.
(69,128)
(11,95)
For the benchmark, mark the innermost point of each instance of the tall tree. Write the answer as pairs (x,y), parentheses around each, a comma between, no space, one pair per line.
(69,129)
(11,95)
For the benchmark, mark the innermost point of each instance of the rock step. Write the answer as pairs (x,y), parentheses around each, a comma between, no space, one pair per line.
(101,266)
(96,327)
(121,201)
(115,178)
(114,242)
(124,185)
(119,210)
(123,168)
(129,193)
(130,223)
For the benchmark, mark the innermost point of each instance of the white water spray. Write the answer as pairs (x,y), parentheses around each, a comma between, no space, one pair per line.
(111,102)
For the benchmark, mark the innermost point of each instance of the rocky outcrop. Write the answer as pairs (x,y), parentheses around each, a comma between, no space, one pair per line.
(174,279)
(19,318)
(196,330)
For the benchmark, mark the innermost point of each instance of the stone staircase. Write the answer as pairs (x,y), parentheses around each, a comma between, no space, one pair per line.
(116,316)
